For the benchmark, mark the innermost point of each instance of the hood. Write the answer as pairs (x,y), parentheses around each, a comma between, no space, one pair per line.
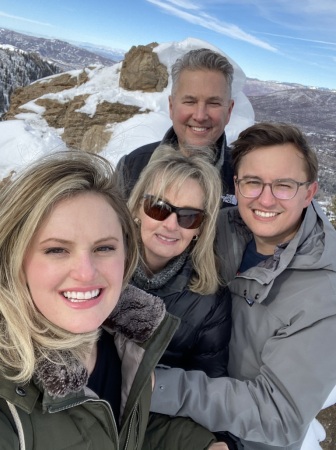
(137,314)
(314,245)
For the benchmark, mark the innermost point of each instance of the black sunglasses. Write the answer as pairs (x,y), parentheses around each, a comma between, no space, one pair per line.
(189,218)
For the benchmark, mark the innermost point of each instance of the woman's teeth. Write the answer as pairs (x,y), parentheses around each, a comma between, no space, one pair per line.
(81,296)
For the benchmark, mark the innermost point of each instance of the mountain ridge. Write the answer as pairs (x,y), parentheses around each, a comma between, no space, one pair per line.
(98,54)
(72,57)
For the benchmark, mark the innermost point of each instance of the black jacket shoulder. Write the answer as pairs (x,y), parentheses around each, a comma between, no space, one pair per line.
(130,166)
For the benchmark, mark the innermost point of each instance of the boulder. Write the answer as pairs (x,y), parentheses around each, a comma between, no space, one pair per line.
(142,71)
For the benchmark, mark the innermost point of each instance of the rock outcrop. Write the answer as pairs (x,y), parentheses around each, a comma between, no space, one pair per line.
(141,70)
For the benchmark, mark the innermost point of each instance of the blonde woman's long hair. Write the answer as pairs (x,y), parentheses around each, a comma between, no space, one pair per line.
(170,168)
(26,335)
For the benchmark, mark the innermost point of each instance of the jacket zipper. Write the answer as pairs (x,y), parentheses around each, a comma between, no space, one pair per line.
(135,409)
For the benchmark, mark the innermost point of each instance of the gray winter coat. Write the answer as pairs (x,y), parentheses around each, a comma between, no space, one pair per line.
(283,344)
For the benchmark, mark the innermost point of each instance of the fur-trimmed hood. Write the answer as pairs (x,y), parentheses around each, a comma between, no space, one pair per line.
(136,316)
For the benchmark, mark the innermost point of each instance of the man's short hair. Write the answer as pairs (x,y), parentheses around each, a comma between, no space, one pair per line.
(202,59)
(268,134)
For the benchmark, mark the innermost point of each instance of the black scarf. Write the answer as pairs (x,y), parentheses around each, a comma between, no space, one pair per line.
(143,281)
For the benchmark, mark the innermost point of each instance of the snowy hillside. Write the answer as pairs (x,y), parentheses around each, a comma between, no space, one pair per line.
(19,68)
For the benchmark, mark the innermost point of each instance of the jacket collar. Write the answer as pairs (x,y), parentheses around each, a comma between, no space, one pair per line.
(136,318)
(171,138)
(307,250)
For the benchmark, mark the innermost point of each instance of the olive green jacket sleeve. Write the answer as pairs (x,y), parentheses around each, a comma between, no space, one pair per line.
(178,433)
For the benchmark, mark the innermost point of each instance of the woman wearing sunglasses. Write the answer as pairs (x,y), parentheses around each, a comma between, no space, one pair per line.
(175,205)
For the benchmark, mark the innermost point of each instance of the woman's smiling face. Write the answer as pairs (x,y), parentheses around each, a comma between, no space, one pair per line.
(74,265)
(163,240)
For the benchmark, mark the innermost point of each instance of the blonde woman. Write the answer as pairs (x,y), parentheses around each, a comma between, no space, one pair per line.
(175,204)
(77,348)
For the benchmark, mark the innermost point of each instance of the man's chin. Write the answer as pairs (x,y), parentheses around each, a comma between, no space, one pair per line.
(192,145)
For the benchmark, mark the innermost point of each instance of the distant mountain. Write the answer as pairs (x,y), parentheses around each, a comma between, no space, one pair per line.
(64,55)
(287,105)
(254,87)
(312,110)
(25,58)
(114,54)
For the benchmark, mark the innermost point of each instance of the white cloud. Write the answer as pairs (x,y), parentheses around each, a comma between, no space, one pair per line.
(207,21)
(23,19)
(315,41)
(312,7)
(186,4)
(309,7)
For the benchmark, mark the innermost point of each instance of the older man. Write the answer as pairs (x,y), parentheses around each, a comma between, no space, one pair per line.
(200,107)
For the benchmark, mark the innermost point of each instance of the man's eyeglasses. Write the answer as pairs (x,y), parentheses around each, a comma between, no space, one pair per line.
(284,189)
(189,218)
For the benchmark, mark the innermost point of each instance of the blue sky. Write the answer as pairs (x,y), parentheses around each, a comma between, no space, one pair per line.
(282,40)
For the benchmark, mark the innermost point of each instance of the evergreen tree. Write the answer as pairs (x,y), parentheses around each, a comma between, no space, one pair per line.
(19,69)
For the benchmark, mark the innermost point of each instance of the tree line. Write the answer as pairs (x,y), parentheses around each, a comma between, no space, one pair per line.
(18,69)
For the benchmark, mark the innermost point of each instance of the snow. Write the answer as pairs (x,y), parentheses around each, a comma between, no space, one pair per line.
(10,47)
(29,137)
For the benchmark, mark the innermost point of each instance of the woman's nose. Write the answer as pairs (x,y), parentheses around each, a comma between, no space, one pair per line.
(83,267)
(171,222)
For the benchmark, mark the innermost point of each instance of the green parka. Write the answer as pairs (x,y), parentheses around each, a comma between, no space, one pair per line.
(55,412)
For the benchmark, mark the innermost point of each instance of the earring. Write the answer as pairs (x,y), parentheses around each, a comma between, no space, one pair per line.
(137,221)
(195,238)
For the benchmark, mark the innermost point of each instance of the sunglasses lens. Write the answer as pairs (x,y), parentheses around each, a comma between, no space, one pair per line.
(186,218)
(156,211)
(189,219)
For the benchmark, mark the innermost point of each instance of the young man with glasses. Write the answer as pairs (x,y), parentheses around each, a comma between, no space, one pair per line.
(278,256)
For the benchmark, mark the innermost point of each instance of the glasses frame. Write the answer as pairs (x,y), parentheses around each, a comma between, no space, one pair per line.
(298,185)
(174,209)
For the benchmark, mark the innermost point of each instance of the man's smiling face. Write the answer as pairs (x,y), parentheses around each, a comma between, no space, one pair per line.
(200,107)
(271,220)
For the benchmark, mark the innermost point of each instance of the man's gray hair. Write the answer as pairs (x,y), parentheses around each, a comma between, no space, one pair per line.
(202,59)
